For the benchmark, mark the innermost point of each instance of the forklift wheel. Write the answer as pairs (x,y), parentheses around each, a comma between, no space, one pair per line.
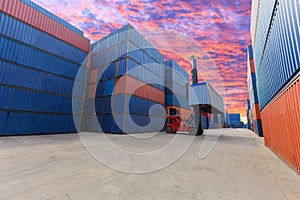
(192,131)
(168,129)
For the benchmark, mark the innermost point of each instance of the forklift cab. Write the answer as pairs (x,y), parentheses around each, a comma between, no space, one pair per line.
(173,120)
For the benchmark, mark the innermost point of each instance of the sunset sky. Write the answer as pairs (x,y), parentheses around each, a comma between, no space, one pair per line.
(215,31)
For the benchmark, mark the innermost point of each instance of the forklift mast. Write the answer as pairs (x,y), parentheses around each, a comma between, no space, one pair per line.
(194,70)
(196,108)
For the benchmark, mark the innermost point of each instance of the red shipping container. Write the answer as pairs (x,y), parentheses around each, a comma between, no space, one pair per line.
(131,86)
(281,127)
(29,15)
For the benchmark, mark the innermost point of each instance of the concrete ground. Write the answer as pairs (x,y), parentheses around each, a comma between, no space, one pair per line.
(59,167)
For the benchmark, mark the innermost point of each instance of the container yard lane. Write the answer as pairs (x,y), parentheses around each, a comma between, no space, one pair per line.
(239,167)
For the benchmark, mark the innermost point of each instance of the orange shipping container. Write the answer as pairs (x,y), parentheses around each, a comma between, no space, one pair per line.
(129,85)
(281,125)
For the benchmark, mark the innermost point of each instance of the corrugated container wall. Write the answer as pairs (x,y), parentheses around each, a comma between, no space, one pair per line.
(204,93)
(125,80)
(176,97)
(38,71)
(281,124)
(278,59)
(211,103)
(176,84)
(277,64)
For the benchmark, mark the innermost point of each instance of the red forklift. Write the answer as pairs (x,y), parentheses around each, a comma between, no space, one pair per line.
(194,121)
(173,121)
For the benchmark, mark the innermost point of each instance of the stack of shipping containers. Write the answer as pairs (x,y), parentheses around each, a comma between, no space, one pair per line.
(131,63)
(253,96)
(276,56)
(40,55)
(176,96)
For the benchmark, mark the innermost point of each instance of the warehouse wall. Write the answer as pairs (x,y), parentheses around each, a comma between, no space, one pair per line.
(125,70)
(277,62)
(39,58)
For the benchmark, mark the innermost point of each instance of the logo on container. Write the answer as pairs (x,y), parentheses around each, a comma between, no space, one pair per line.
(131,101)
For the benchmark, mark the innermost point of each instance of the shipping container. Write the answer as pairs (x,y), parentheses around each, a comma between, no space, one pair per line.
(17,75)
(264,18)
(176,100)
(276,54)
(24,123)
(14,98)
(127,79)
(129,85)
(52,16)
(235,120)
(281,128)
(25,55)
(40,56)
(176,83)
(39,20)
(205,94)
(22,32)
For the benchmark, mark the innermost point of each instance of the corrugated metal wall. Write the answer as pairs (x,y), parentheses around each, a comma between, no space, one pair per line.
(52,16)
(38,19)
(279,58)
(176,82)
(38,70)
(277,64)
(281,124)
(204,93)
(129,66)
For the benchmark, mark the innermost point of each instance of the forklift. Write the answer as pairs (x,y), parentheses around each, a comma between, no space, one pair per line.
(173,118)
(173,121)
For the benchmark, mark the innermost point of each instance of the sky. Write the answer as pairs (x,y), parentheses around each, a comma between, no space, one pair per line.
(216,32)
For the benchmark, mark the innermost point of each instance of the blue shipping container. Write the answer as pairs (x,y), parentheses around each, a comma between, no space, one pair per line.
(20,31)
